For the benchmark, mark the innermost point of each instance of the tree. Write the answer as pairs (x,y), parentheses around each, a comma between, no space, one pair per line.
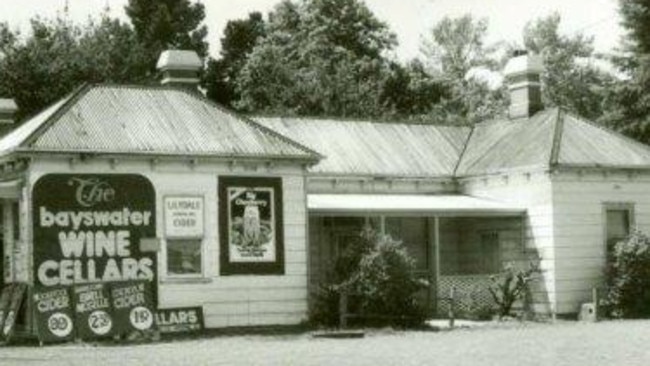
(240,36)
(165,24)
(318,57)
(570,80)
(455,50)
(59,56)
(628,101)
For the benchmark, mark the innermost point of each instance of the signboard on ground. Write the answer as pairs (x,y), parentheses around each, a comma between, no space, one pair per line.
(5,301)
(53,313)
(132,306)
(179,320)
(11,312)
(93,316)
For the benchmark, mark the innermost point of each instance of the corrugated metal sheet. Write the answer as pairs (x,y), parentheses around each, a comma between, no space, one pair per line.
(586,144)
(16,137)
(372,148)
(155,120)
(504,145)
(120,119)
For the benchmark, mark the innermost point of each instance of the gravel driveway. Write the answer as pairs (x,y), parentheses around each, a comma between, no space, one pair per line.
(562,343)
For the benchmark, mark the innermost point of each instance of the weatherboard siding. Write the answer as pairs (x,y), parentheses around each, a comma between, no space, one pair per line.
(233,300)
(534,192)
(579,226)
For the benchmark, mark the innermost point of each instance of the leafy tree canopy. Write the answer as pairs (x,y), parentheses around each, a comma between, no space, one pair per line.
(59,56)
(570,79)
(321,57)
(168,24)
(628,101)
(240,36)
(455,48)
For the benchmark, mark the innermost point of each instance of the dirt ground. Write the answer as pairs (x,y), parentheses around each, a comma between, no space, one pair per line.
(563,343)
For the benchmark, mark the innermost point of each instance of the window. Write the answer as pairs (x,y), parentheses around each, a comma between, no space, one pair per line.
(184,257)
(619,221)
(184,235)
(414,234)
(490,259)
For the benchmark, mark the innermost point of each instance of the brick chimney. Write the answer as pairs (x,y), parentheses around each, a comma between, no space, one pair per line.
(180,68)
(8,110)
(522,75)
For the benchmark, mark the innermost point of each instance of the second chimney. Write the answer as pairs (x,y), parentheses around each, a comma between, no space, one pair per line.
(180,68)
(8,110)
(522,74)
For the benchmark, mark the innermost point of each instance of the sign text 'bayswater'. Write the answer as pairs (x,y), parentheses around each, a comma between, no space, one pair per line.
(92,233)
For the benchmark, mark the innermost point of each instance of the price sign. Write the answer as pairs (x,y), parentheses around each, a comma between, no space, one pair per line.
(184,217)
(93,310)
(132,306)
(179,320)
(53,313)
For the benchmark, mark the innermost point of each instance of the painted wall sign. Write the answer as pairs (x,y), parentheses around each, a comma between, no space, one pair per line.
(251,225)
(183,216)
(53,313)
(178,320)
(87,228)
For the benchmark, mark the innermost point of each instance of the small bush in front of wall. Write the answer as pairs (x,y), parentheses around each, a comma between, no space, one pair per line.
(511,285)
(628,278)
(377,275)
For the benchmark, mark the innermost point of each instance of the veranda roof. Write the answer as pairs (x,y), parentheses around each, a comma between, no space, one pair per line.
(433,205)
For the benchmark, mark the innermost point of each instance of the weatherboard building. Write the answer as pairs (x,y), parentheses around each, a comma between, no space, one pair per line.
(241,216)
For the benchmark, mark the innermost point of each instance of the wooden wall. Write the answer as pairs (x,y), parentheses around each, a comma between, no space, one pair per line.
(534,192)
(579,227)
(235,300)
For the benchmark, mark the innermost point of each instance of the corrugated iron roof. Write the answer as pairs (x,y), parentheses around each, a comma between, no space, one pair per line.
(586,144)
(501,145)
(169,121)
(374,148)
(13,139)
(551,138)
(148,120)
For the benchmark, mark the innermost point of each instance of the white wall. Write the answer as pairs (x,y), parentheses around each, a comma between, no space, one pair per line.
(532,191)
(579,226)
(227,300)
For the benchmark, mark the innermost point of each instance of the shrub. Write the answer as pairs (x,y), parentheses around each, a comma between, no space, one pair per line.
(511,285)
(377,274)
(628,278)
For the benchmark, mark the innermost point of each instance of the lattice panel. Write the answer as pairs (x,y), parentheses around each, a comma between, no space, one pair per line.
(471,293)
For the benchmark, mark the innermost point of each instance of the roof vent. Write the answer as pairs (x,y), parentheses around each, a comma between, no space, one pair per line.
(522,74)
(8,109)
(180,68)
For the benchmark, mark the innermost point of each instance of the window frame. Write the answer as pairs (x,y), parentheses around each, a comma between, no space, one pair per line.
(617,206)
(166,239)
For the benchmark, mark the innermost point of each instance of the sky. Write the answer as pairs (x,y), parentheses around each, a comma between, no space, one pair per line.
(409,19)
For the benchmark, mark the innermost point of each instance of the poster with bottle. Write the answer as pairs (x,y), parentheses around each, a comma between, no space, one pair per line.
(251,225)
